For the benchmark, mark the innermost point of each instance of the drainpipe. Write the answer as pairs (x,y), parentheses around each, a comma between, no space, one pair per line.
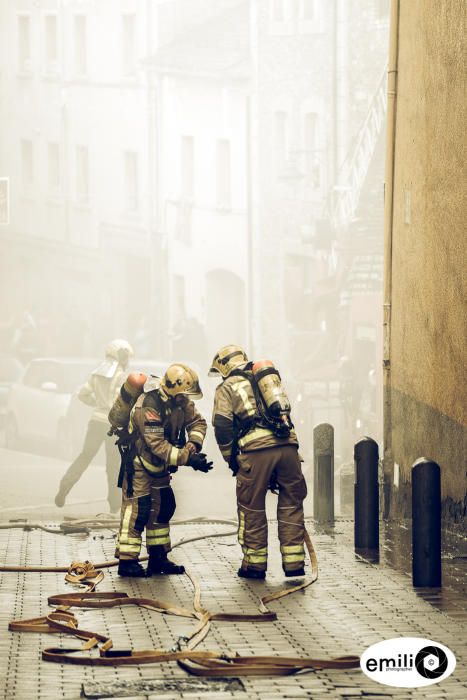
(388,228)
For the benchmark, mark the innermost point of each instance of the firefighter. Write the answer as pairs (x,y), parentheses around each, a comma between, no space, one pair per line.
(159,420)
(100,392)
(261,457)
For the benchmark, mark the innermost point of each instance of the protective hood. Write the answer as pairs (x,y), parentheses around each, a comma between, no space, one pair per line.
(107,368)
(152,383)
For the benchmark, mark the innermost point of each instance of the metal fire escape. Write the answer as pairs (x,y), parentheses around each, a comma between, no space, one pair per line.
(354,170)
(357,214)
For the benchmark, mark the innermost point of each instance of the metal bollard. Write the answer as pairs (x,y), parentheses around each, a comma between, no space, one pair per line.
(366,524)
(323,473)
(426,523)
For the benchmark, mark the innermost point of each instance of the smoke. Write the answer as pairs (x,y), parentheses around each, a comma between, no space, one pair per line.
(186,175)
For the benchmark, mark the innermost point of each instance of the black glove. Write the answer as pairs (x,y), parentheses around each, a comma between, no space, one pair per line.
(233,464)
(273,485)
(199,462)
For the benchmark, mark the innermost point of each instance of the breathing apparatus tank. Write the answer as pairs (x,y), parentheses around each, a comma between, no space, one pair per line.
(276,402)
(119,415)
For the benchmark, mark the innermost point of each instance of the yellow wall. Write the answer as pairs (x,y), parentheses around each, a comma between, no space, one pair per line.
(429,304)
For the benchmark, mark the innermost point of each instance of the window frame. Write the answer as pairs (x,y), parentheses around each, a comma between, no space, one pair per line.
(51,65)
(129,67)
(24,62)
(54,187)
(80,63)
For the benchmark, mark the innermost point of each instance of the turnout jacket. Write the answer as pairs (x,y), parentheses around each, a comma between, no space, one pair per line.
(155,419)
(236,414)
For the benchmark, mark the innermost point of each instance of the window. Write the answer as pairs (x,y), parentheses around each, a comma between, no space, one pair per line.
(187,168)
(82,173)
(129,44)
(80,45)
(223,176)
(24,43)
(53,152)
(281,140)
(131,181)
(27,163)
(51,43)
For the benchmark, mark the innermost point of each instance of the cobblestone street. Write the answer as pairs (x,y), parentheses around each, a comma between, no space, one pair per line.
(353,604)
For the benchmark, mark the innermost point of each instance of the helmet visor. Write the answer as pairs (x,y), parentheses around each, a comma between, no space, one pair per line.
(195,391)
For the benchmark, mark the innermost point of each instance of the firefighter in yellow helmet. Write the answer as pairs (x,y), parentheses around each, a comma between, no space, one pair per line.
(261,447)
(167,431)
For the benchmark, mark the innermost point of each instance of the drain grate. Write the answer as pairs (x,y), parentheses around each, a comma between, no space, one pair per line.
(162,686)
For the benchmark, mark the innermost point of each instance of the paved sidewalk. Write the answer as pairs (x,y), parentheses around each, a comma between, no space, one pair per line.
(353,604)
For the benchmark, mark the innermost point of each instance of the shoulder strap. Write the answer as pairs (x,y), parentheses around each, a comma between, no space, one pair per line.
(153,400)
(242,373)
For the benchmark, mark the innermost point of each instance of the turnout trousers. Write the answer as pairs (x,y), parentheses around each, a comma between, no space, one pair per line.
(150,507)
(255,471)
(96,434)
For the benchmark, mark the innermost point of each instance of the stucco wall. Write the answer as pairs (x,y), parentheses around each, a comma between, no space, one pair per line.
(429,308)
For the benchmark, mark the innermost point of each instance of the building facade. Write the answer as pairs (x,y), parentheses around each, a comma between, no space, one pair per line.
(189,173)
(77,116)
(201,82)
(425,362)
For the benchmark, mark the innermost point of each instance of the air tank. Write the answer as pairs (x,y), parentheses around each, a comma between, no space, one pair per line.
(270,387)
(119,415)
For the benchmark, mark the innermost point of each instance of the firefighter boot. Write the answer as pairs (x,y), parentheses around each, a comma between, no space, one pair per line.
(159,564)
(251,573)
(295,572)
(60,498)
(131,568)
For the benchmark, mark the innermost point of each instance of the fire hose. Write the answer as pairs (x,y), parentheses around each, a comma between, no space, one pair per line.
(199,663)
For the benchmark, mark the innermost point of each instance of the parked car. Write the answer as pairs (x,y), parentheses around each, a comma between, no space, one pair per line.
(10,371)
(37,410)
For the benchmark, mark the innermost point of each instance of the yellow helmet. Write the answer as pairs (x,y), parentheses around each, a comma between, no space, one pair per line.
(180,379)
(226,360)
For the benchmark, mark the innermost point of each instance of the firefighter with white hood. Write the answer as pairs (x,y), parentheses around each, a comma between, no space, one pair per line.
(256,437)
(100,392)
